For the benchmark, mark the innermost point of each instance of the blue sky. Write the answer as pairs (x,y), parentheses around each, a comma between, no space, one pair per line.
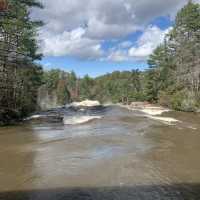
(93,68)
(105,35)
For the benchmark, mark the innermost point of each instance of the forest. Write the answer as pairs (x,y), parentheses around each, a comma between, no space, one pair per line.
(61,87)
(172,79)
(20,76)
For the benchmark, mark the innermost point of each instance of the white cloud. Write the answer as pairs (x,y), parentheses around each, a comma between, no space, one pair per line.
(151,38)
(78,27)
(117,56)
(71,43)
(100,30)
(125,44)
(104,18)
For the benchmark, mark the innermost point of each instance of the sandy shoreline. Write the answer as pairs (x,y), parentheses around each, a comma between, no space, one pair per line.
(151,111)
(147,108)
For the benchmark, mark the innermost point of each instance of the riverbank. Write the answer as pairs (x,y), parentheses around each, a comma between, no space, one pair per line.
(8,117)
(148,108)
(152,111)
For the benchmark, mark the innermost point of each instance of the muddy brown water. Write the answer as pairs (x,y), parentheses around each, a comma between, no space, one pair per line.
(123,156)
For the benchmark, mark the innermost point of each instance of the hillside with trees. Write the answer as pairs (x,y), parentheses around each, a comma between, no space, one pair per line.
(61,88)
(20,77)
(173,79)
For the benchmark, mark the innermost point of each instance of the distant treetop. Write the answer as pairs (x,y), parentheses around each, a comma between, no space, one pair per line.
(3,5)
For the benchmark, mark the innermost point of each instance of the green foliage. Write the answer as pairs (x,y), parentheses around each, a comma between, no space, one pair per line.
(32,78)
(177,100)
(115,87)
(20,76)
(57,82)
(51,79)
(19,22)
(86,88)
(174,75)
(188,18)
(120,87)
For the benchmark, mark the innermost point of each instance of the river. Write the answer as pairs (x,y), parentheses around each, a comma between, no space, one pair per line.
(117,154)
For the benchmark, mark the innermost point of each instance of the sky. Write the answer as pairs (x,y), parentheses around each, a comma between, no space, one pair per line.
(100,36)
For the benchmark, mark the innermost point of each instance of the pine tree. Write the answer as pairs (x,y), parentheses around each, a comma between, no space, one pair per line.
(174,73)
(156,75)
(185,42)
(18,51)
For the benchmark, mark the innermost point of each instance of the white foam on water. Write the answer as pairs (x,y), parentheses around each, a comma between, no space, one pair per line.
(86,103)
(79,119)
(166,120)
(154,112)
(33,117)
(150,110)
(193,128)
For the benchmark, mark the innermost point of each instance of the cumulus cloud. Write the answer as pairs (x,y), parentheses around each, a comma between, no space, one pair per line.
(78,27)
(70,43)
(117,55)
(149,40)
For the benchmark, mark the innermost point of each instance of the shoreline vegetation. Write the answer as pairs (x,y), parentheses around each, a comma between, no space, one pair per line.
(172,79)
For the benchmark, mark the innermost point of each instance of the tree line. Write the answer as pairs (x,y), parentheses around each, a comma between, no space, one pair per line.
(62,87)
(20,77)
(173,79)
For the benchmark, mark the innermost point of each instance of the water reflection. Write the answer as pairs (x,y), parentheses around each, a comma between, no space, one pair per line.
(124,155)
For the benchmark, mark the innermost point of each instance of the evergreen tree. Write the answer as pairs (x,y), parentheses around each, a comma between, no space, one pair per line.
(155,76)
(19,75)
(185,43)
(174,74)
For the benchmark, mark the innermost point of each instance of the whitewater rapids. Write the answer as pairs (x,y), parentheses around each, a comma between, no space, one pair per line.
(79,119)
(86,103)
(88,110)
